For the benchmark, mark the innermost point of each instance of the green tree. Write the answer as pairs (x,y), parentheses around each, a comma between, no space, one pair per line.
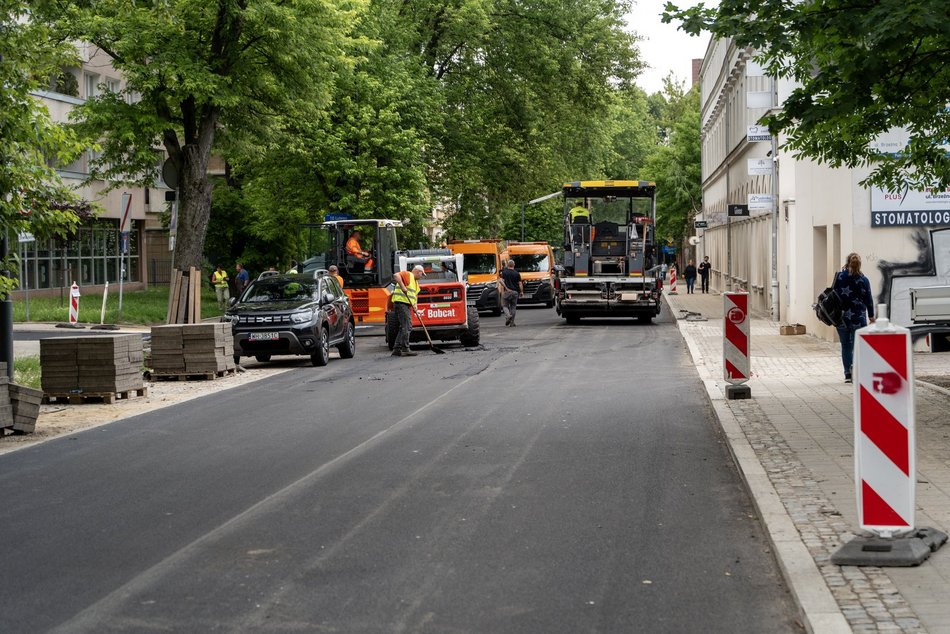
(677,169)
(32,197)
(861,69)
(196,67)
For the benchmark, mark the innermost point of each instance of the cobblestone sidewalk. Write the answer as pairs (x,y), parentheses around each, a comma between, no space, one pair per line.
(799,425)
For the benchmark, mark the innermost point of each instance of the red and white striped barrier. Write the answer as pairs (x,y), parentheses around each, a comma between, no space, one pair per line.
(735,339)
(884,437)
(672,290)
(74,303)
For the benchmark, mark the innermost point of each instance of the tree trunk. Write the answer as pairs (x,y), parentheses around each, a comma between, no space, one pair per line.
(194,190)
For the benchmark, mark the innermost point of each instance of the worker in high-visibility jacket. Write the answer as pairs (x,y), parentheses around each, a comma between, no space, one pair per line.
(404,298)
(220,280)
(355,252)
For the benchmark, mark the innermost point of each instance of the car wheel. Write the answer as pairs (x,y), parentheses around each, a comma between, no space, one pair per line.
(263,358)
(470,337)
(348,347)
(392,329)
(322,356)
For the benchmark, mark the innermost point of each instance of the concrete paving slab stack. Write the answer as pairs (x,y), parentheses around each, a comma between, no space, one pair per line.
(167,353)
(207,347)
(25,402)
(192,349)
(91,365)
(6,409)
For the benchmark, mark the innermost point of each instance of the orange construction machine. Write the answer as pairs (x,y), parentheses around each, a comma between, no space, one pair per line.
(442,299)
(364,252)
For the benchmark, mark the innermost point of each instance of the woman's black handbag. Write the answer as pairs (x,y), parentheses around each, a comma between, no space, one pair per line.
(828,307)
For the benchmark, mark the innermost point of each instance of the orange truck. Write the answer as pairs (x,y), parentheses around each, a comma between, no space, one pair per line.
(535,262)
(481,264)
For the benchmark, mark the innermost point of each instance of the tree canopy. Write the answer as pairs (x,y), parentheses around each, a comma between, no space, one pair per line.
(193,68)
(865,73)
(32,197)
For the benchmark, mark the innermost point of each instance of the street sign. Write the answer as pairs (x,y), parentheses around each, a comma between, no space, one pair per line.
(126,211)
(25,236)
(667,249)
(759,167)
(700,224)
(332,217)
(760,202)
(125,241)
(738,210)
(758,133)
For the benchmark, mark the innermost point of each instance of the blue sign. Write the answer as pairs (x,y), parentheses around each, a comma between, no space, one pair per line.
(125,241)
(332,217)
(669,250)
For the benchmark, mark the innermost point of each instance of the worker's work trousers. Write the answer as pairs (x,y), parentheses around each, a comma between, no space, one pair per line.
(509,304)
(221,292)
(404,317)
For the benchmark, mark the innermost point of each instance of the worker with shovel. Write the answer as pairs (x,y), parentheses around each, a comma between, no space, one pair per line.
(404,299)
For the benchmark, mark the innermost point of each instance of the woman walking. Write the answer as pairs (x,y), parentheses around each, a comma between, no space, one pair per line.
(857,307)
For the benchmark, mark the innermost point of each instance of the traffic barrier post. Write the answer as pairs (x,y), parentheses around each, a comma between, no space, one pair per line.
(885,467)
(736,345)
(672,290)
(74,304)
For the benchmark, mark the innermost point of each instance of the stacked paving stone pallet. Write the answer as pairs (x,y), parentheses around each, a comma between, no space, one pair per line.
(106,366)
(199,350)
(19,405)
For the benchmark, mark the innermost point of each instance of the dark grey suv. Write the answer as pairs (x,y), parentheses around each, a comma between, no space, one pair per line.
(292,315)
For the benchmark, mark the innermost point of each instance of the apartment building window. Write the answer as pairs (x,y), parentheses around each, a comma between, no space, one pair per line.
(91,81)
(91,257)
(112,85)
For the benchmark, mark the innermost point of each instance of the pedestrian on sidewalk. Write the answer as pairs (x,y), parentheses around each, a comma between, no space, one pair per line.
(689,274)
(512,289)
(704,268)
(857,307)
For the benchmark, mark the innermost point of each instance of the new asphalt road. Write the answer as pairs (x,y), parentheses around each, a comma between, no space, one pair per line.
(559,479)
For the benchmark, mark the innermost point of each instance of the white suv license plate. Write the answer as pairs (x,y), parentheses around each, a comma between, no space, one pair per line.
(263,336)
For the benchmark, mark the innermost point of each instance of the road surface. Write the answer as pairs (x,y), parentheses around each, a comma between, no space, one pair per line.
(559,479)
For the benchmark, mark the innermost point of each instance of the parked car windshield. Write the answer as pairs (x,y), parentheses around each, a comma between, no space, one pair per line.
(271,289)
(531,262)
(479,263)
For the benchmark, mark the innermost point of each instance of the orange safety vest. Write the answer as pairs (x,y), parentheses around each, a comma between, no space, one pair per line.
(412,289)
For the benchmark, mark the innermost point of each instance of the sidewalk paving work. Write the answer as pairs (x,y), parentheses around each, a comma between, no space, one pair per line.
(793,443)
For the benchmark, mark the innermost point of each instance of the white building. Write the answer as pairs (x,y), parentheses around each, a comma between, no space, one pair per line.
(823,214)
(92,256)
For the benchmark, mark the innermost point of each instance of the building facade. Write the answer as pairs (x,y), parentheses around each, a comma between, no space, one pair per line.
(93,255)
(803,218)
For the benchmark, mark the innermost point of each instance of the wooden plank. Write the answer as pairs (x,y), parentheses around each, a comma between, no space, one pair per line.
(173,297)
(198,281)
(182,301)
(195,288)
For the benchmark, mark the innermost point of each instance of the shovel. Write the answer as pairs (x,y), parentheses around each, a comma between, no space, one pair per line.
(432,346)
